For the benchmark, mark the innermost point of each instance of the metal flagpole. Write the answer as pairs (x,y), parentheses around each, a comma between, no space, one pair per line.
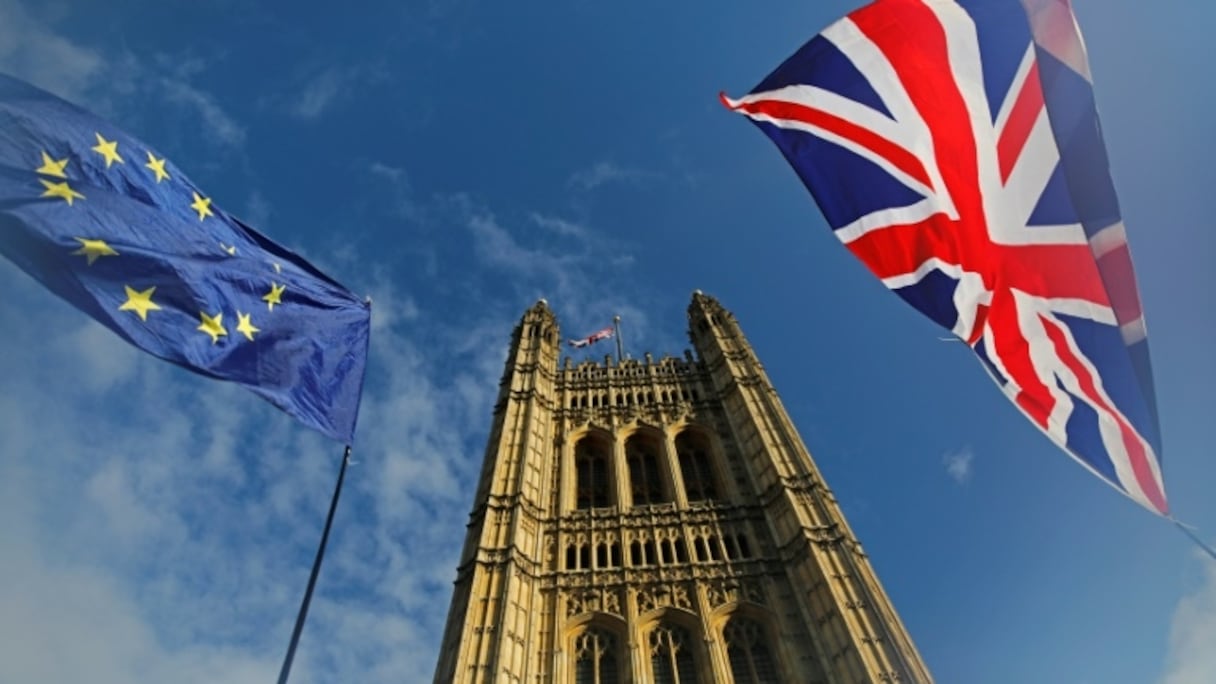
(316,569)
(616,323)
(1186,529)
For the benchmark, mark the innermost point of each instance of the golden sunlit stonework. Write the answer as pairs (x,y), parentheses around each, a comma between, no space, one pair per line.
(659,521)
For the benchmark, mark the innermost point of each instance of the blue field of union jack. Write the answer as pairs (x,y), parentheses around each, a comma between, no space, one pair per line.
(954,147)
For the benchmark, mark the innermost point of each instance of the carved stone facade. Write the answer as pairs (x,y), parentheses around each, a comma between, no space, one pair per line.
(659,521)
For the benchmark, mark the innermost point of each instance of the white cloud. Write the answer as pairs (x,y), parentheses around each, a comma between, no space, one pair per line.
(321,91)
(605,172)
(561,226)
(31,51)
(186,512)
(958,464)
(217,123)
(74,623)
(392,173)
(257,210)
(496,246)
(106,359)
(1192,646)
(404,205)
(160,526)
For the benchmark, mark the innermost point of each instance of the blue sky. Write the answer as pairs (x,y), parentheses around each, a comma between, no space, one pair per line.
(458,160)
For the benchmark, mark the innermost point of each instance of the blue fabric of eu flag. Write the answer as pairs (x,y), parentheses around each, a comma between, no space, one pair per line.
(110,225)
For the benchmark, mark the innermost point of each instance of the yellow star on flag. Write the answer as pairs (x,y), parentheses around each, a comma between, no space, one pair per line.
(245,326)
(62,190)
(94,249)
(231,249)
(139,302)
(212,325)
(202,205)
(158,167)
(274,296)
(109,150)
(51,167)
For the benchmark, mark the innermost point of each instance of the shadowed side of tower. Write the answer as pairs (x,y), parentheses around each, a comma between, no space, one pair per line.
(659,521)
(856,628)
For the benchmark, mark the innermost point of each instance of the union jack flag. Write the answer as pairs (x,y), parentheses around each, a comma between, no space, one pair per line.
(954,147)
(594,337)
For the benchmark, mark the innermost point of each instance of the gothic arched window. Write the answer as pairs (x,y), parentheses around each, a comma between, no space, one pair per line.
(671,657)
(645,481)
(747,649)
(695,467)
(594,475)
(596,658)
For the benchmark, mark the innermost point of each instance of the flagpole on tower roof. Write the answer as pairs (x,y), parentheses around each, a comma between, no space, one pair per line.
(620,354)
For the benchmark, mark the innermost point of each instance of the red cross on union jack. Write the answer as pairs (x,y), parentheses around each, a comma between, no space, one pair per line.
(947,144)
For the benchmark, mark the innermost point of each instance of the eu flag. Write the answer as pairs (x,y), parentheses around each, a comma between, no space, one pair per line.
(110,225)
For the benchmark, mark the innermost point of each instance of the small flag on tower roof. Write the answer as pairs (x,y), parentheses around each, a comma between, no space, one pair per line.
(603,334)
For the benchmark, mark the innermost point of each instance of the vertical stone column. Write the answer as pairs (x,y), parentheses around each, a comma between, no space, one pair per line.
(859,636)
(490,623)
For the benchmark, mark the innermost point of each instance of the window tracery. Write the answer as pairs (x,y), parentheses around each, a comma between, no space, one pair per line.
(596,660)
(645,479)
(695,467)
(747,649)
(671,656)
(594,486)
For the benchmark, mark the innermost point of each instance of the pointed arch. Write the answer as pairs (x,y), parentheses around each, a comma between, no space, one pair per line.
(749,651)
(673,657)
(643,454)
(597,650)
(697,466)
(674,645)
(597,657)
(594,483)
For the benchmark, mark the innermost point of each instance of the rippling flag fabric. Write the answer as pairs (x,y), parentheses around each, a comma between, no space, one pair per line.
(603,334)
(110,225)
(955,149)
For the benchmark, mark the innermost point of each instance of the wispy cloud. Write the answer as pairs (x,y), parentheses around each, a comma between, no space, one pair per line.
(497,247)
(257,210)
(605,172)
(1192,658)
(392,173)
(319,90)
(217,123)
(561,226)
(958,464)
(319,93)
(586,275)
(29,49)
(194,508)
(404,204)
(186,511)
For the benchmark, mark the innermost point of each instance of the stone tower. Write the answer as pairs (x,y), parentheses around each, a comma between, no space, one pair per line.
(659,521)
